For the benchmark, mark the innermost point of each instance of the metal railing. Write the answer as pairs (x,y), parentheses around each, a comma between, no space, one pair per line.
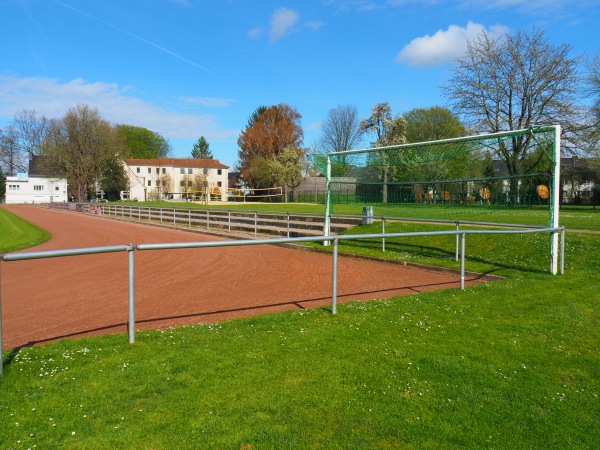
(335,239)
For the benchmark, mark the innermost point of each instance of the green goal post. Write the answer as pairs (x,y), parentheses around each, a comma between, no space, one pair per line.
(459,171)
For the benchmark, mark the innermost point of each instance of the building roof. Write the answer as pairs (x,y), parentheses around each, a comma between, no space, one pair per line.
(177,162)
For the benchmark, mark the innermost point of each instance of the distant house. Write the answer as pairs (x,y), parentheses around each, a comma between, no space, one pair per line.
(33,187)
(175,179)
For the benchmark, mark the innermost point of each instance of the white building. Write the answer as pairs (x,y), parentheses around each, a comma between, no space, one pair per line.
(25,188)
(176,179)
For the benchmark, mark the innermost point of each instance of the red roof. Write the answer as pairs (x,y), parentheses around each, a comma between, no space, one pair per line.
(177,162)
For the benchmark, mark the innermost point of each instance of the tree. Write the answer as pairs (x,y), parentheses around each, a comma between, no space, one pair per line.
(113,178)
(11,158)
(515,82)
(592,137)
(2,186)
(77,147)
(201,150)
(142,143)
(388,130)
(593,80)
(437,123)
(340,129)
(432,124)
(31,131)
(269,131)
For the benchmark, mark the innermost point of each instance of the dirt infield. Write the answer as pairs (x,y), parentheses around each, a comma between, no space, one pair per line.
(49,299)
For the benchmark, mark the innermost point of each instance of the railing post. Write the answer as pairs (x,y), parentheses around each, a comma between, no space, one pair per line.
(161,214)
(462,260)
(562,252)
(1,348)
(131,278)
(207,218)
(229,220)
(255,223)
(189,218)
(383,232)
(457,238)
(334,277)
(288,224)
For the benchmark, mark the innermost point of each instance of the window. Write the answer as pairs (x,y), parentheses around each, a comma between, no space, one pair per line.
(205,171)
(157,170)
(149,170)
(190,171)
(219,171)
(149,182)
(182,171)
(13,187)
(182,183)
(164,183)
(38,187)
(57,188)
(189,184)
(138,170)
(164,170)
(220,184)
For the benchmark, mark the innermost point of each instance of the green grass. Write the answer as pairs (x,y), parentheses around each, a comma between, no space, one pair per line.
(510,364)
(573,217)
(17,234)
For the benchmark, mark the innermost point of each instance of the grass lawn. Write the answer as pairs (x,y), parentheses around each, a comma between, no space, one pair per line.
(572,217)
(511,364)
(17,234)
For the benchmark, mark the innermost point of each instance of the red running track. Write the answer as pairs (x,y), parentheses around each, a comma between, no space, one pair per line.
(50,299)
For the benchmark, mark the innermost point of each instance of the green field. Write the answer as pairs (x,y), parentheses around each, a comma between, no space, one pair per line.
(512,364)
(17,234)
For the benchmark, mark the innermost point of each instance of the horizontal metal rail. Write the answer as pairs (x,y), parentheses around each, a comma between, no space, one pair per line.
(71,252)
(460,233)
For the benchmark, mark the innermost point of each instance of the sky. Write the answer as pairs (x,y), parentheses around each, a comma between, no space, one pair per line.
(191,68)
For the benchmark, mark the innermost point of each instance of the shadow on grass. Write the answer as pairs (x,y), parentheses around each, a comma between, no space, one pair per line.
(300,304)
(435,253)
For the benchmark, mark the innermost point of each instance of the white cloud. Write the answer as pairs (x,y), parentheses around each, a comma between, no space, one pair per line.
(213,102)
(445,45)
(50,97)
(254,32)
(282,21)
(314,25)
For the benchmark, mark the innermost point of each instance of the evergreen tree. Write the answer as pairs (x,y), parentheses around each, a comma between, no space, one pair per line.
(201,150)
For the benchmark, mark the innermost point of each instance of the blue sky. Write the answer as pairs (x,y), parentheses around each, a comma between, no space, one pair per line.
(191,68)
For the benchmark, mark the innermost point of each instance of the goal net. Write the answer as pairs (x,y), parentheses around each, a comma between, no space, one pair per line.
(510,169)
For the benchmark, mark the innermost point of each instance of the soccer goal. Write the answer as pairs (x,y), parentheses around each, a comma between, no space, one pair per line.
(476,171)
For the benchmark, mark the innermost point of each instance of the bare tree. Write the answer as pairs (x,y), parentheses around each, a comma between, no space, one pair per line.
(389,130)
(515,82)
(12,160)
(340,129)
(77,146)
(31,131)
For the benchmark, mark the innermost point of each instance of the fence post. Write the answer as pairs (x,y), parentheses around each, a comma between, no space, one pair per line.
(383,232)
(456,252)
(189,218)
(174,218)
(1,348)
(562,252)
(334,277)
(131,278)
(255,222)
(462,260)
(207,218)
(288,224)
(229,220)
